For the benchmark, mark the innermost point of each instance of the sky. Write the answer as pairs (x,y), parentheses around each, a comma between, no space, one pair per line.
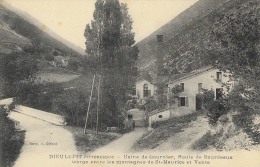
(68,18)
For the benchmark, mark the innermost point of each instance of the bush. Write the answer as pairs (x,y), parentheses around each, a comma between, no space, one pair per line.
(72,104)
(37,95)
(7,130)
(214,108)
(151,104)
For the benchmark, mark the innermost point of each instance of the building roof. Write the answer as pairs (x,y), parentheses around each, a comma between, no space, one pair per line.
(152,78)
(175,77)
(179,77)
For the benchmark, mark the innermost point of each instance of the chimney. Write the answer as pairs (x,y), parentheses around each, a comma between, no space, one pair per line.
(159,79)
(159,55)
(159,38)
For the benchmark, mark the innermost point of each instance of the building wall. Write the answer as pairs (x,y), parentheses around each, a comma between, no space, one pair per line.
(191,89)
(140,88)
(208,80)
(166,114)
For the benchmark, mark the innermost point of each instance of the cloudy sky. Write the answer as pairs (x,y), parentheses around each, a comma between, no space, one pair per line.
(68,18)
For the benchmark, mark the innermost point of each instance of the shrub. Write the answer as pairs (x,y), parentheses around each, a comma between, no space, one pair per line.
(72,104)
(7,130)
(214,108)
(37,94)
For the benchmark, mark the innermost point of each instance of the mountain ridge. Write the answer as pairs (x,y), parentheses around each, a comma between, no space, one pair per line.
(29,18)
(195,13)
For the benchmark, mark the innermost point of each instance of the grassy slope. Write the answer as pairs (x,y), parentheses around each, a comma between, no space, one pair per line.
(163,131)
(56,74)
(224,137)
(83,82)
(54,77)
(89,142)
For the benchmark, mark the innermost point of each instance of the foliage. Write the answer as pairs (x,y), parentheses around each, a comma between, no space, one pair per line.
(245,110)
(152,103)
(175,93)
(51,97)
(72,104)
(18,66)
(49,57)
(214,108)
(111,54)
(37,94)
(15,68)
(207,141)
(72,65)
(236,36)
(176,90)
(7,130)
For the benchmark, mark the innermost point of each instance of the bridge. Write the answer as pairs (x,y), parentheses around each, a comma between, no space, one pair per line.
(42,115)
(35,113)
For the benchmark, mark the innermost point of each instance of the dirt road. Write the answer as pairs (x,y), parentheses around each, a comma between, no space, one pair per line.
(43,143)
(123,144)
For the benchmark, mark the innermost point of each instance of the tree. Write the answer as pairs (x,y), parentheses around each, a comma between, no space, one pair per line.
(110,50)
(15,68)
(236,47)
(237,36)
(71,104)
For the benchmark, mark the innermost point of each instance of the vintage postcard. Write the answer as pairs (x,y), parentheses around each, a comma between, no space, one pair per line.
(129,83)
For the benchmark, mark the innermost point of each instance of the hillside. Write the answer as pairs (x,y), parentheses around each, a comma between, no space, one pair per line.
(20,32)
(10,40)
(39,24)
(187,37)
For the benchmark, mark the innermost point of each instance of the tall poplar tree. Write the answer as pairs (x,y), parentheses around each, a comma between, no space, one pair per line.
(110,51)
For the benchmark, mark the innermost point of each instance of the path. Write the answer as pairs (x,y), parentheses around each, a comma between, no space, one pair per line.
(43,140)
(184,140)
(123,144)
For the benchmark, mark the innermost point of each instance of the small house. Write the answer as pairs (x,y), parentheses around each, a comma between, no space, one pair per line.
(191,85)
(144,89)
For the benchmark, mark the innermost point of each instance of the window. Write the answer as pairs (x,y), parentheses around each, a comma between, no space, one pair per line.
(219,76)
(134,90)
(182,87)
(147,92)
(219,93)
(183,101)
(200,87)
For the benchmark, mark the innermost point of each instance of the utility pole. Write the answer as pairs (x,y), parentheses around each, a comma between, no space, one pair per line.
(89,103)
(98,103)
(100,74)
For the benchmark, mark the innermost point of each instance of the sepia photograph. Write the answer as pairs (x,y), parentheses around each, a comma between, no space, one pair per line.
(144,83)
